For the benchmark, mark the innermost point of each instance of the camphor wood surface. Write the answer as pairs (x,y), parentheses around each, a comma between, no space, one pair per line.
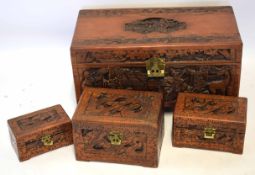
(195,112)
(137,118)
(201,46)
(28,132)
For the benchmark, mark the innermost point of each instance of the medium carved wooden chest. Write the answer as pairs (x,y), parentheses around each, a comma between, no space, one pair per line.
(120,126)
(210,122)
(162,49)
(39,132)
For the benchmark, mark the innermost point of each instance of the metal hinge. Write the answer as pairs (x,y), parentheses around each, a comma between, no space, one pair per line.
(155,67)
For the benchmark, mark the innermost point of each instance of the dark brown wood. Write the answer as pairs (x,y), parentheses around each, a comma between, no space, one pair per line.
(194,114)
(135,118)
(39,132)
(201,46)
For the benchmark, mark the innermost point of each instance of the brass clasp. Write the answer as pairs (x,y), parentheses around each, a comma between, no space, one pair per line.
(115,138)
(155,67)
(47,140)
(209,133)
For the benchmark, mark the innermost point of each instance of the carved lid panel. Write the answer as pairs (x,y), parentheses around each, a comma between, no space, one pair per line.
(211,107)
(157,26)
(39,120)
(117,105)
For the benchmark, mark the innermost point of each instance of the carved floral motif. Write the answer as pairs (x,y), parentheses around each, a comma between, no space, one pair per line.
(149,25)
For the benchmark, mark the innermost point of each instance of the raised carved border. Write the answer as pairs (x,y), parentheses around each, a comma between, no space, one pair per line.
(163,40)
(136,55)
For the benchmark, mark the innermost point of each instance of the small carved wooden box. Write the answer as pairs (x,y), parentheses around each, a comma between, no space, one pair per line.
(193,49)
(120,126)
(210,122)
(39,132)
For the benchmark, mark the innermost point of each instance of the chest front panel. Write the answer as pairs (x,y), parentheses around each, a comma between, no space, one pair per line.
(44,141)
(223,139)
(209,79)
(125,144)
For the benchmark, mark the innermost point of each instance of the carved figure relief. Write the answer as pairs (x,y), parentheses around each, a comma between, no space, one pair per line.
(96,140)
(116,105)
(149,25)
(201,79)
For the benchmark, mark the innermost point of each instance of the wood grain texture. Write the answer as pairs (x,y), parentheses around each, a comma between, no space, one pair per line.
(137,117)
(202,48)
(28,132)
(196,112)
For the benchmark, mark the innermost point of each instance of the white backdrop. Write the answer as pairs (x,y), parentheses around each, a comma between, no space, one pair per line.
(35,37)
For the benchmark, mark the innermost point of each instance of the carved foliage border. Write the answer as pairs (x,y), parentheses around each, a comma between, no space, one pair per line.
(136,55)
(163,40)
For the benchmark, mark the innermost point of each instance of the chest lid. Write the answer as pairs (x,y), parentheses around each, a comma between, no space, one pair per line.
(207,112)
(38,121)
(119,106)
(159,27)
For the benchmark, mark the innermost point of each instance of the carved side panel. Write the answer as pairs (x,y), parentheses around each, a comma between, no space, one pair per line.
(96,141)
(187,78)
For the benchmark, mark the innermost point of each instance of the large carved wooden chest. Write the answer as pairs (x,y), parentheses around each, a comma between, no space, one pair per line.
(39,132)
(162,49)
(120,126)
(210,122)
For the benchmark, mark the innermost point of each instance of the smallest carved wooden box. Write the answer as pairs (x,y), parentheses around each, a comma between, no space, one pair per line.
(120,126)
(39,132)
(210,121)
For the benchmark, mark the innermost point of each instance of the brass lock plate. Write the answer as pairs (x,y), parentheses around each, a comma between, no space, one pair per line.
(155,67)
(209,133)
(115,138)
(47,140)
